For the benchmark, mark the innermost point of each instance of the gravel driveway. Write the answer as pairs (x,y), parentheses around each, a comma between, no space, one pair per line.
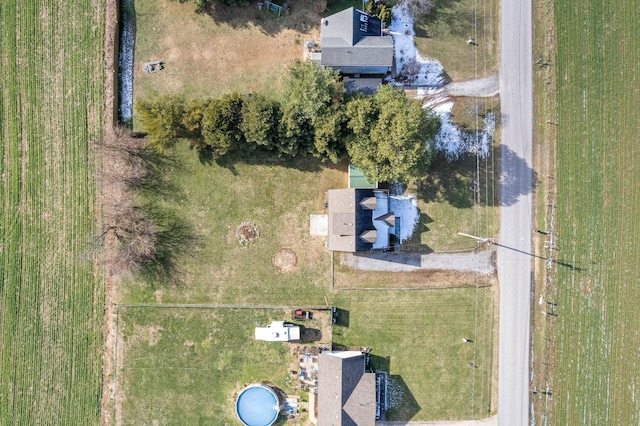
(478,261)
(490,421)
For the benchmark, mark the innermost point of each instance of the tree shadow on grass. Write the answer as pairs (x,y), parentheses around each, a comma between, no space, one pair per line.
(262,157)
(447,14)
(175,241)
(154,183)
(469,181)
(299,16)
(450,182)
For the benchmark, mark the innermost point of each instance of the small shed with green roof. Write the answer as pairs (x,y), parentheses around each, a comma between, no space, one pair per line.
(358,181)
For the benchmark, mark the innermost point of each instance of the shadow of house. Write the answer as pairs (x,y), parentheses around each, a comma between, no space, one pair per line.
(407,407)
(346,392)
(352,42)
(359,219)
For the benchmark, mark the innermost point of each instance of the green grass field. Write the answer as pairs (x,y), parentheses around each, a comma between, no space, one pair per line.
(596,347)
(447,204)
(278,197)
(417,337)
(184,366)
(51,303)
(444,32)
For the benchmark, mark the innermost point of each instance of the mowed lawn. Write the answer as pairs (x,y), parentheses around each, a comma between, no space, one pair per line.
(185,366)
(597,345)
(169,355)
(417,337)
(51,303)
(443,35)
(278,197)
(238,49)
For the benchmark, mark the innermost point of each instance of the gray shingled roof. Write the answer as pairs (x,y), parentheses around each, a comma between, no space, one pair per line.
(346,394)
(353,38)
(348,219)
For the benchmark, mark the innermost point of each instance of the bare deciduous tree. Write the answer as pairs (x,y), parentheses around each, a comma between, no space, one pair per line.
(137,234)
(419,8)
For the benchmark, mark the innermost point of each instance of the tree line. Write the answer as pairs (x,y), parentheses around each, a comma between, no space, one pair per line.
(387,135)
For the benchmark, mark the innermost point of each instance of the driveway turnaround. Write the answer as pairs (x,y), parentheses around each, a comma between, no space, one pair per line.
(514,262)
(483,87)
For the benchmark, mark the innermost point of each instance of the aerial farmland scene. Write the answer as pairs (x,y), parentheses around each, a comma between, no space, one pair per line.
(319,212)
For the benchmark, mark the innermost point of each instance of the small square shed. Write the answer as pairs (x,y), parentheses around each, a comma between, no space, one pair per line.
(358,181)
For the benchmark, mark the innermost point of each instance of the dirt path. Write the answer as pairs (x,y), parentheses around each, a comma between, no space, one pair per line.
(480,261)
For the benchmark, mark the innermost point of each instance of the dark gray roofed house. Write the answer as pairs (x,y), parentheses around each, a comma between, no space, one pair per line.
(346,394)
(359,219)
(352,42)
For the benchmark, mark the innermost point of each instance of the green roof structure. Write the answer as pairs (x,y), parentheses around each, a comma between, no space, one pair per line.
(358,181)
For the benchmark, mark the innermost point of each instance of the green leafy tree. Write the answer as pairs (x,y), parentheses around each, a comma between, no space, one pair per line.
(310,92)
(391,136)
(161,118)
(329,132)
(192,118)
(260,120)
(221,125)
(380,9)
(295,132)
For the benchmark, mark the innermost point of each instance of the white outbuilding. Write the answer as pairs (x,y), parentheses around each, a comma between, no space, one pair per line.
(278,331)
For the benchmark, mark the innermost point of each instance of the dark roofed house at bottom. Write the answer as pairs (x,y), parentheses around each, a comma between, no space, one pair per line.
(352,42)
(346,392)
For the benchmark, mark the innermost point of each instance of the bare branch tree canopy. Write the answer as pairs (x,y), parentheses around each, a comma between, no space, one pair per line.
(142,235)
(418,8)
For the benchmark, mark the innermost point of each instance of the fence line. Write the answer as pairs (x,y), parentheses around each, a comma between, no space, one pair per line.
(206,306)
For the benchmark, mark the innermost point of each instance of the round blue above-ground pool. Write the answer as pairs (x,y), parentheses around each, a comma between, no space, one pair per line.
(257,405)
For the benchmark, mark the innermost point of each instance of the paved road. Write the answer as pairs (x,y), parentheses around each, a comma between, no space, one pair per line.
(514,265)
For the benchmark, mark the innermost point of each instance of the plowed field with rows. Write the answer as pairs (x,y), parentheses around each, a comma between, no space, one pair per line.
(51,303)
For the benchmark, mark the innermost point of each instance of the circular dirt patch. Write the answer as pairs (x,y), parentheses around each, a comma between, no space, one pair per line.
(247,232)
(285,260)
